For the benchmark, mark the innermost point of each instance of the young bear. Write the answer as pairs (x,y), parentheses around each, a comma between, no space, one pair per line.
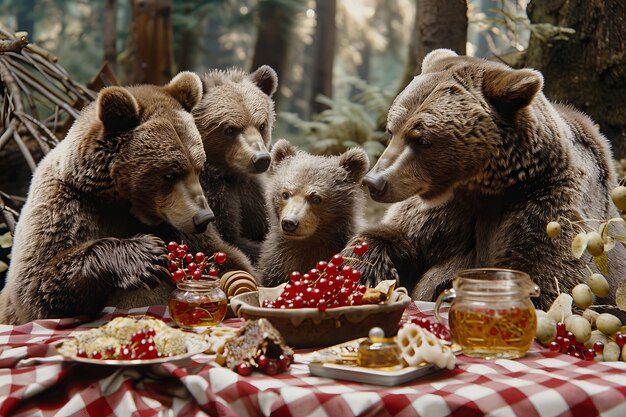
(130,162)
(478,163)
(315,205)
(235,118)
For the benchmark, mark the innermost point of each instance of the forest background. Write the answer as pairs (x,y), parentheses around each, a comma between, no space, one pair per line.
(340,63)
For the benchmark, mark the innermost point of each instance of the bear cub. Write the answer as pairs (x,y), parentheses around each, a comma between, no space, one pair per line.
(235,118)
(316,205)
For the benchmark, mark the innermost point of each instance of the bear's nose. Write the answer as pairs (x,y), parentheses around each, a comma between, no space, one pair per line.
(289,224)
(202,219)
(261,161)
(376,183)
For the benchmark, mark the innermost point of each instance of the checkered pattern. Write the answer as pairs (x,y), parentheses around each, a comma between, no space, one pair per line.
(35,380)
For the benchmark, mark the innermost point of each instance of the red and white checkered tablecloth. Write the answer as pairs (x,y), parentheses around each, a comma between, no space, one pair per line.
(36,380)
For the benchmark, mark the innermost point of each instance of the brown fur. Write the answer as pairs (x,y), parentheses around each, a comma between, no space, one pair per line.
(129,164)
(478,163)
(325,225)
(235,120)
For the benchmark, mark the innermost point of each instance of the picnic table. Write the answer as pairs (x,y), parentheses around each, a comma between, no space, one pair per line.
(35,380)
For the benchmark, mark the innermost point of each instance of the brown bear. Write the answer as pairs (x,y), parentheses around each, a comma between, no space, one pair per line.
(235,118)
(130,162)
(316,205)
(478,162)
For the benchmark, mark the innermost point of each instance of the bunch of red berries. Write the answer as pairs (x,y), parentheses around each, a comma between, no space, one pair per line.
(328,285)
(141,347)
(183,265)
(265,364)
(565,342)
(438,329)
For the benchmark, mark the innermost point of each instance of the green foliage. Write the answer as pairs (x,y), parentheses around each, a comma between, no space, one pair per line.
(347,123)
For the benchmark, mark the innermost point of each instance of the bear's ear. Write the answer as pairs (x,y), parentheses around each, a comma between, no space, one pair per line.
(282,150)
(510,89)
(117,110)
(266,79)
(434,56)
(356,162)
(185,87)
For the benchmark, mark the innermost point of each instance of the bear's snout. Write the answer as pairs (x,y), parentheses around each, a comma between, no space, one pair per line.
(202,219)
(289,224)
(376,184)
(261,161)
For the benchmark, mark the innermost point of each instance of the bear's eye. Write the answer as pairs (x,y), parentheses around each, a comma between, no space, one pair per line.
(262,127)
(169,177)
(316,199)
(230,131)
(285,195)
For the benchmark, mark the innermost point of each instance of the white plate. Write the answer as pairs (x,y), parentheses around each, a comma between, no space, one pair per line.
(370,375)
(136,362)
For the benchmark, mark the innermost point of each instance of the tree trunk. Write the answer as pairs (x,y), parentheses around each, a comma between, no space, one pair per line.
(324,52)
(588,70)
(110,33)
(438,24)
(25,17)
(151,50)
(276,19)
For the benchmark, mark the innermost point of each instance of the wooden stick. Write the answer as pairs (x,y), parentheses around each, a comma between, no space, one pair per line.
(27,155)
(12,87)
(13,45)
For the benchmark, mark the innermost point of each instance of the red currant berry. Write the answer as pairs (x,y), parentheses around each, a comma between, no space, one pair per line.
(199,257)
(172,246)
(322,305)
(589,354)
(188,257)
(212,272)
(197,274)
(191,267)
(244,369)
(355,275)
(321,266)
(173,266)
(178,275)
(262,361)
(337,260)
(271,368)
(620,339)
(598,347)
(183,247)
(283,362)
(220,257)
(295,276)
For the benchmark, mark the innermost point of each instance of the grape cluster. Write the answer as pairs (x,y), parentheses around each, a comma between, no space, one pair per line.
(328,285)
(142,346)
(565,342)
(435,328)
(184,265)
(265,364)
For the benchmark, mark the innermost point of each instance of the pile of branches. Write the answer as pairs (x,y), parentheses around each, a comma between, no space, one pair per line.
(39,103)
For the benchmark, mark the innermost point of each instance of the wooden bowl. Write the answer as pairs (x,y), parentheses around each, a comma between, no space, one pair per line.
(309,327)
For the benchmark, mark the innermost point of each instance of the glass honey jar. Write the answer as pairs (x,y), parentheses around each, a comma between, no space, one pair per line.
(196,305)
(491,315)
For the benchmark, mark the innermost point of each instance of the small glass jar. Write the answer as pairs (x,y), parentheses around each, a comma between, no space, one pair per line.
(197,305)
(377,351)
(491,315)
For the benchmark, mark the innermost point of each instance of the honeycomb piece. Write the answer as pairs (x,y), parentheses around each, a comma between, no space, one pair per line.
(419,345)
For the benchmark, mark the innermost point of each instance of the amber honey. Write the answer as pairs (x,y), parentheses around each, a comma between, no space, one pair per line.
(493,332)
(193,315)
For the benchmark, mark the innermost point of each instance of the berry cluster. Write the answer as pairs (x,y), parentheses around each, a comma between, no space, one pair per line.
(328,285)
(565,342)
(141,347)
(184,265)
(435,328)
(265,364)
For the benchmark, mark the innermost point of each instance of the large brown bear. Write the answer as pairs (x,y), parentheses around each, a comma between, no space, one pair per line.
(130,163)
(235,118)
(479,161)
(316,207)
